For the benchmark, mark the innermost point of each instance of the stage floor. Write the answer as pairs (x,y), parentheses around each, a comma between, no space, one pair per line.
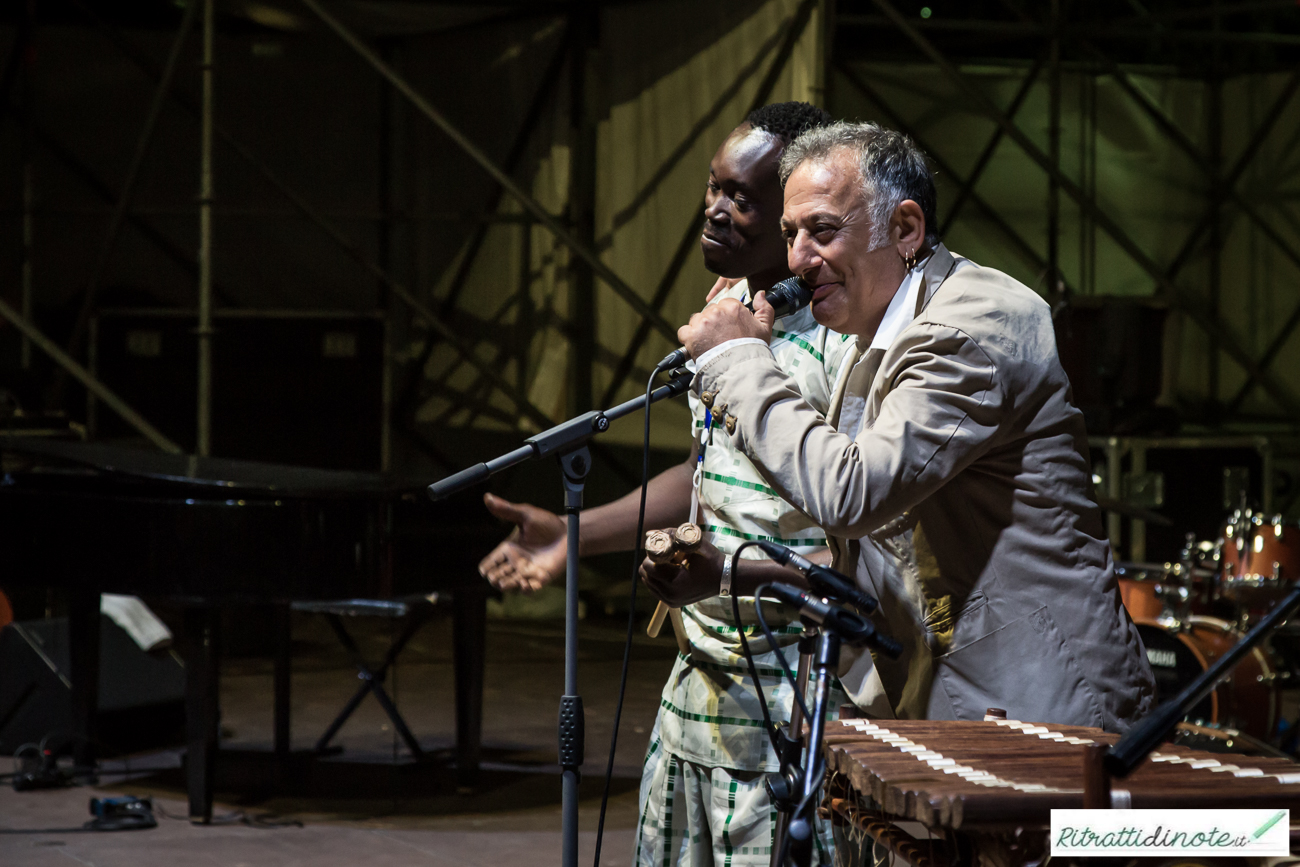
(371,805)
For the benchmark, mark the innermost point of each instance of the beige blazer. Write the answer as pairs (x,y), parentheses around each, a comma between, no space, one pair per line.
(962,502)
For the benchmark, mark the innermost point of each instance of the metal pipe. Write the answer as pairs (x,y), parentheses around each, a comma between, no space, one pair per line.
(29,234)
(968,185)
(132,176)
(1137,528)
(101,391)
(1214,167)
(546,218)
(584,113)
(384,230)
(24,49)
(386,400)
(1115,489)
(421,310)
(826,12)
(1054,154)
(944,168)
(204,446)
(92,363)
(1220,333)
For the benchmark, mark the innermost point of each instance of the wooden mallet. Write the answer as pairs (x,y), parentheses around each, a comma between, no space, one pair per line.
(671,547)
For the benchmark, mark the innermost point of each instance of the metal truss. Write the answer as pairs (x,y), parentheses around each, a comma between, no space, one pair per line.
(1082,41)
(1078,35)
(121,199)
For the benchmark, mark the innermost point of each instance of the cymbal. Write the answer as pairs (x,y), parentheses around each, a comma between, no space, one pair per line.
(1137,513)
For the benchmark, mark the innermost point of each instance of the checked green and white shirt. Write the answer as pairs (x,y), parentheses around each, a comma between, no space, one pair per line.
(709,712)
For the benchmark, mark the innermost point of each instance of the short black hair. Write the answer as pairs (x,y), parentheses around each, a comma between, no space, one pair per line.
(787,120)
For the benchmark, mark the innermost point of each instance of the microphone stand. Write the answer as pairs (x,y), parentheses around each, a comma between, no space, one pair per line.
(781,786)
(794,790)
(568,441)
(800,827)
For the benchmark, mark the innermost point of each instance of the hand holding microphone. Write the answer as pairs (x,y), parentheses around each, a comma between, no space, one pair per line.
(723,321)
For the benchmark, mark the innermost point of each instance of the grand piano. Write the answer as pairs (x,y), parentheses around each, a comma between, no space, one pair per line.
(209,533)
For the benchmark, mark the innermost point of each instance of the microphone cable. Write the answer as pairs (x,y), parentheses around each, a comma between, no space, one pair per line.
(772,732)
(749,657)
(771,639)
(637,556)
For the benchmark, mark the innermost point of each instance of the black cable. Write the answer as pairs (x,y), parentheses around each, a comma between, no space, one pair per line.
(771,639)
(771,729)
(631,614)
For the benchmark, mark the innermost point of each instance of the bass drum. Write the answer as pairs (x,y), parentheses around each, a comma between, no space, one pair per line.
(1178,653)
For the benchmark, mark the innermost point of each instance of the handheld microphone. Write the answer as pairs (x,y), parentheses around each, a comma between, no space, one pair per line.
(822,578)
(789,296)
(852,628)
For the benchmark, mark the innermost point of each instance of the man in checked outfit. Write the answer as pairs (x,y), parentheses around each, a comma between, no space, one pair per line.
(702,796)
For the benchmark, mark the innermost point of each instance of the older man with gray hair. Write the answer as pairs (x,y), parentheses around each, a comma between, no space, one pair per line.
(951,469)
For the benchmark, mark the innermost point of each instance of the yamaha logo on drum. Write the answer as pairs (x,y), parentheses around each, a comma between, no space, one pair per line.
(1162,658)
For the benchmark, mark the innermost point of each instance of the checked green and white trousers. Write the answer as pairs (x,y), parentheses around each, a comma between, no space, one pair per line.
(696,816)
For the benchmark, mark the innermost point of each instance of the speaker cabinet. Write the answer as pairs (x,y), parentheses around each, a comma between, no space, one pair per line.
(141,695)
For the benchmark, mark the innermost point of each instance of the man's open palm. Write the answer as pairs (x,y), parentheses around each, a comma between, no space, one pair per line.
(533,555)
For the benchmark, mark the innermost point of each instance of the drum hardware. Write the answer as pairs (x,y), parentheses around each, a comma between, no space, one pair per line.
(1258,558)
(1280,679)
(1172,593)
(1222,739)
(1160,591)
(1180,650)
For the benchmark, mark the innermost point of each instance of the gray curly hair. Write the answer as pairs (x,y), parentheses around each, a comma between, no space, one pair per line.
(892,167)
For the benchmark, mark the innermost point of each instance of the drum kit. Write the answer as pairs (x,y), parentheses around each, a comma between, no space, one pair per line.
(1192,612)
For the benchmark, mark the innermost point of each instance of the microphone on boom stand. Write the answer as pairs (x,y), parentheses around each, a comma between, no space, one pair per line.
(823,579)
(851,627)
(789,296)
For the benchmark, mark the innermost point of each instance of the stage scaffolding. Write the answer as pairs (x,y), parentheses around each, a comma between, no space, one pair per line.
(867,54)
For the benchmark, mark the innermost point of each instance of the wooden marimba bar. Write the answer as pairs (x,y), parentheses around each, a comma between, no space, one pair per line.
(1003,773)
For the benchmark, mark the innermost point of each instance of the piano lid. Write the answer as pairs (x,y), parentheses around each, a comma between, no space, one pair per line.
(252,478)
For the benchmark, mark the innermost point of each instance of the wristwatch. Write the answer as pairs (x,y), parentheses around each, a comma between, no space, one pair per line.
(724,587)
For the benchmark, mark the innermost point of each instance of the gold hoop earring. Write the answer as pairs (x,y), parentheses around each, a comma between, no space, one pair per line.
(910,259)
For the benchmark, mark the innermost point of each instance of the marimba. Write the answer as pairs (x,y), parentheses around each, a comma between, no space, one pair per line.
(996,783)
